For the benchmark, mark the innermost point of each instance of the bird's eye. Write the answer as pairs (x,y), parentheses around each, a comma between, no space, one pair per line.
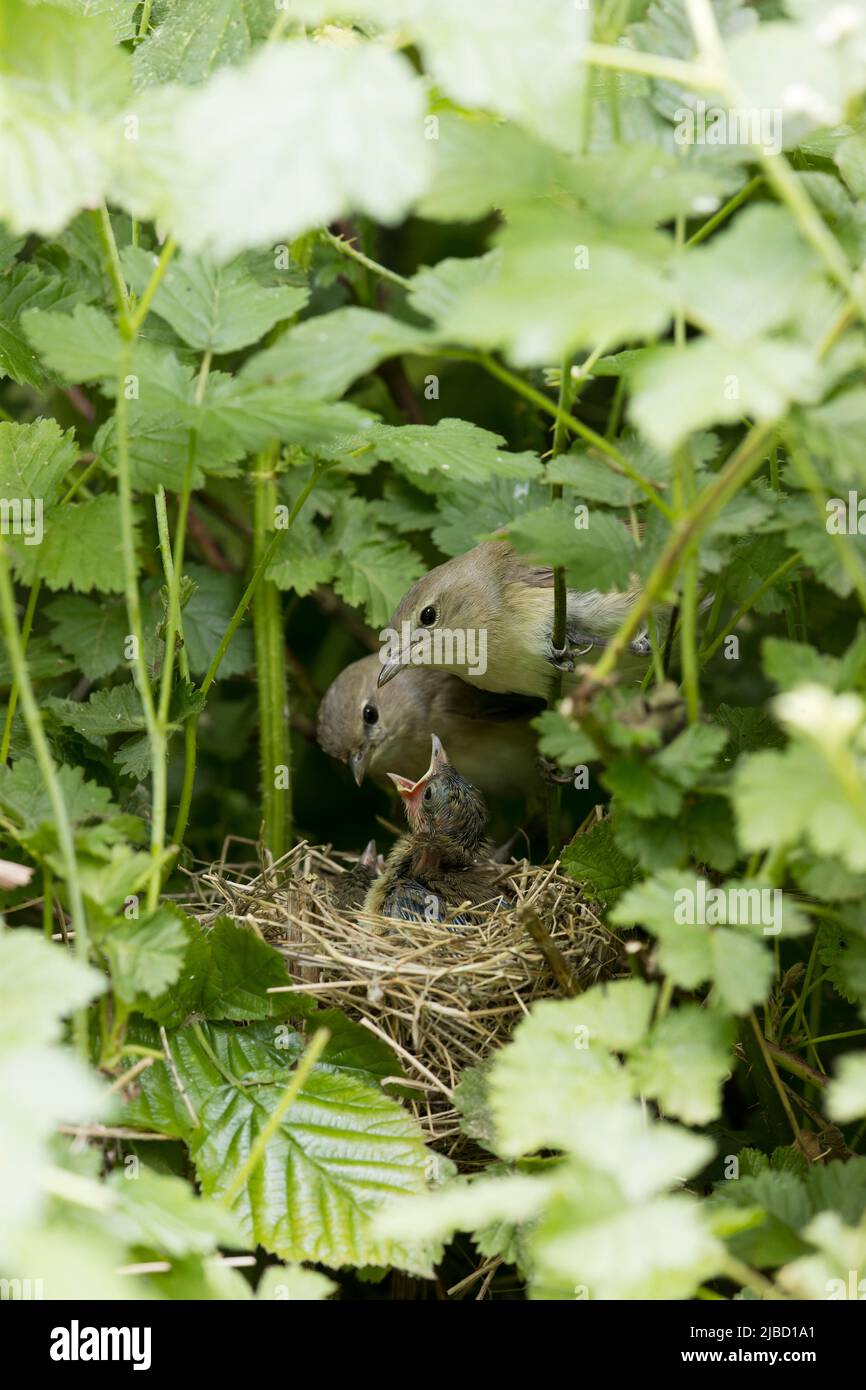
(428,615)
(370,714)
(428,794)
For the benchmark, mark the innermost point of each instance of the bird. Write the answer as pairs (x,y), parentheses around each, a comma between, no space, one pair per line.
(439,866)
(487,617)
(349,889)
(372,729)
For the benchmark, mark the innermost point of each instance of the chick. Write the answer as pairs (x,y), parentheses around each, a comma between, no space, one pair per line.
(487,616)
(370,729)
(348,890)
(436,867)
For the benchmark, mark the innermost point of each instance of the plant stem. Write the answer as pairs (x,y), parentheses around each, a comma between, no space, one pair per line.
(112,259)
(42,752)
(142,309)
(708,227)
(776,1080)
(740,467)
(346,248)
(287,1099)
(652,65)
(271,668)
(778,573)
(560,600)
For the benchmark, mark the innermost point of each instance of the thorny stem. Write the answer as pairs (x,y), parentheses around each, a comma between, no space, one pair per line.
(560,599)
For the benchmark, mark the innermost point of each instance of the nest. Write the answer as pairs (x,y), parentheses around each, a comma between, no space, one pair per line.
(442,997)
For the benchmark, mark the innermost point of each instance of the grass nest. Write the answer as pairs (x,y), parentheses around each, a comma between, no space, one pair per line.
(443,997)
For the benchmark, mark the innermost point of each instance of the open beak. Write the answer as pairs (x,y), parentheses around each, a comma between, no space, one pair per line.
(411,792)
(358,762)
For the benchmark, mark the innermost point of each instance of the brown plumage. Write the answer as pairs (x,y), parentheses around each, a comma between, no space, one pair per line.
(491,591)
(438,867)
(349,890)
(488,736)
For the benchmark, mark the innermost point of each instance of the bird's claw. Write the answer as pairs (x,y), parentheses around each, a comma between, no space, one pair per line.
(560,657)
(640,646)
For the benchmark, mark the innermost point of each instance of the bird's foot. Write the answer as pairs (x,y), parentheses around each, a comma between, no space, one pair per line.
(560,657)
(640,645)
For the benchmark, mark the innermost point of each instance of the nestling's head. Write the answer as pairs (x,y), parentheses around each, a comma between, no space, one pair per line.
(442,805)
(371,729)
(462,596)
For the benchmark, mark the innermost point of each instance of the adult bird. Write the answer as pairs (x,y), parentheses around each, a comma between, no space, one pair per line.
(439,866)
(373,729)
(487,617)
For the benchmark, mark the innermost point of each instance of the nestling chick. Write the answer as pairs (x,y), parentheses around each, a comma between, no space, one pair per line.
(436,867)
(370,729)
(349,889)
(487,617)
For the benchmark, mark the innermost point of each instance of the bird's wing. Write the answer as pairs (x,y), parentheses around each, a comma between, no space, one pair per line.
(460,700)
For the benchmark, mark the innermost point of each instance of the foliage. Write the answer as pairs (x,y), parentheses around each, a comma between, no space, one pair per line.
(286,296)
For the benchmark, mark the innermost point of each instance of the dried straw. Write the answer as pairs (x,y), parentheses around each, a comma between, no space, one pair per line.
(442,997)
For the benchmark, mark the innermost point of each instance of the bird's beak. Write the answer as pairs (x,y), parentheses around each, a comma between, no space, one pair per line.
(359,762)
(369,859)
(389,670)
(411,792)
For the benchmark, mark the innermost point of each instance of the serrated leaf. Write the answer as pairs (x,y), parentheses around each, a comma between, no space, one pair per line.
(595,860)
(64,80)
(196,37)
(34,460)
(91,632)
(146,956)
(211,307)
(359,107)
(341,1149)
(596,555)
(684,1062)
(321,357)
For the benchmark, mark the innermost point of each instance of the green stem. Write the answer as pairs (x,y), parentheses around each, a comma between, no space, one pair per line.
(271,668)
(142,309)
(708,227)
(42,752)
(27,625)
(560,600)
(112,259)
(740,467)
(346,248)
(268,1130)
(754,597)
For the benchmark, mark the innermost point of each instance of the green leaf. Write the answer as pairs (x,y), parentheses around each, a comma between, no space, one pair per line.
(570,1043)
(561,740)
(205,619)
(479,164)
(294,1283)
(321,357)
(456,448)
(465,516)
(65,82)
(713,381)
(349,137)
(738,285)
(196,37)
(146,956)
(846,1094)
(24,797)
(117,710)
(684,1062)
(597,555)
(40,984)
(338,1153)
(34,459)
(436,289)
(691,953)
(81,550)
(595,860)
(93,633)
(566,281)
(164,1213)
(216,308)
